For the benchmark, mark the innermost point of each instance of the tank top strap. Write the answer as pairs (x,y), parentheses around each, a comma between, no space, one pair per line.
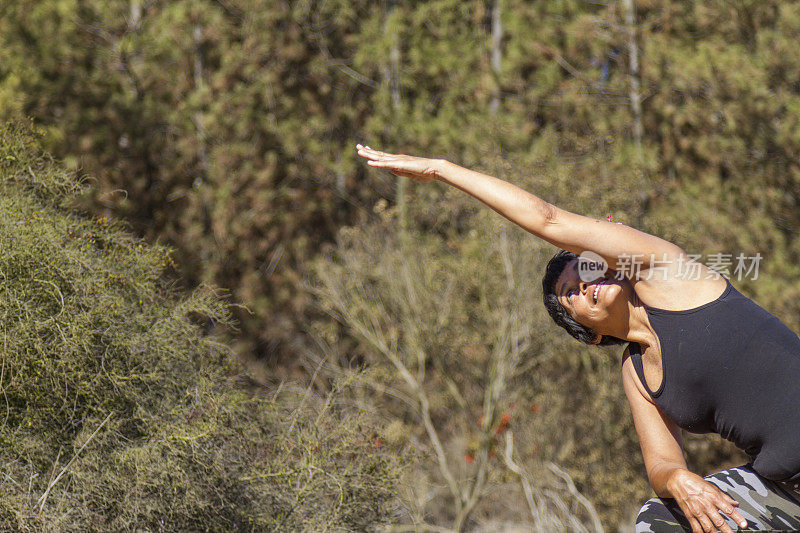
(636,359)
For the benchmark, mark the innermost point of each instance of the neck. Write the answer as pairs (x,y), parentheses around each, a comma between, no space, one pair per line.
(637,328)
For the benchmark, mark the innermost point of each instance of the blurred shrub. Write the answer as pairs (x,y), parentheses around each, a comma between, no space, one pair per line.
(119,412)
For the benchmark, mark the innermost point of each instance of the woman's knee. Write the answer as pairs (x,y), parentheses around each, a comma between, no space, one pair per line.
(647,512)
(656,515)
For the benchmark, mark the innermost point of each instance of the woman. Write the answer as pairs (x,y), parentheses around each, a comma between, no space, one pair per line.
(700,356)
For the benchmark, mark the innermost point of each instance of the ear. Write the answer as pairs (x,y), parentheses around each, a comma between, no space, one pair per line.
(597,340)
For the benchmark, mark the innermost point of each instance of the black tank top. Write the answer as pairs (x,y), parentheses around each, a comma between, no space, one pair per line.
(732,368)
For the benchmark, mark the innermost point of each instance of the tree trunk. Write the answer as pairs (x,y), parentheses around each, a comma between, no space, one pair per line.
(497,39)
(633,63)
(636,105)
(136,13)
(391,75)
(394,87)
(197,117)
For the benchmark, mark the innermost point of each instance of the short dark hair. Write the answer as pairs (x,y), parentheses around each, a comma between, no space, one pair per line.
(557,311)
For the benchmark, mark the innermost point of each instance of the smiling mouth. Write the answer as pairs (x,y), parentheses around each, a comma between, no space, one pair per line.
(597,290)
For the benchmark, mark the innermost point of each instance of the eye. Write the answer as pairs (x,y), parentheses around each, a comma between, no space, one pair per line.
(571,293)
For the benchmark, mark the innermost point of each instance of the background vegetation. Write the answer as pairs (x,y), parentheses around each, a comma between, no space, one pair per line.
(121,413)
(225,130)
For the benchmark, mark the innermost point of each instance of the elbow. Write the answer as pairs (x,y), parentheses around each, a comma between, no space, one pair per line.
(549,213)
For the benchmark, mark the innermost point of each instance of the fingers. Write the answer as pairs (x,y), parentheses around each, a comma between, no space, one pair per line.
(706,524)
(381,159)
(727,499)
(739,519)
(706,517)
(391,166)
(417,168)
(728,506)
(693,512)
(712,521)
(366,151)
(718,522)
(696,527)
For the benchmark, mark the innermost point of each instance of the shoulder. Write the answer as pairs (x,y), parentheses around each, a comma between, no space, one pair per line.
(683,284)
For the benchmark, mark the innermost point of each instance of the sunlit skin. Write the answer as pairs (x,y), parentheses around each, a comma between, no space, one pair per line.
(618,311)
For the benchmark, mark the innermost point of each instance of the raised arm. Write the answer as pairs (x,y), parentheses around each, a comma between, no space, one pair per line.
(570,231)
(660,440)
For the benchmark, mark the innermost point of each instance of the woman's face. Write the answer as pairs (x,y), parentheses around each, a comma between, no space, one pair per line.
(597,304)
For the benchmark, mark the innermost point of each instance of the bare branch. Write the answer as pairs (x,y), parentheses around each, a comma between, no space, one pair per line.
(303,400)
(578,496)
(378,343)
(508,458)
(417,528)
(43,497)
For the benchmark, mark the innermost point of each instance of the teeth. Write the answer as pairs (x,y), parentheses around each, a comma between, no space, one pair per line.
(597,288)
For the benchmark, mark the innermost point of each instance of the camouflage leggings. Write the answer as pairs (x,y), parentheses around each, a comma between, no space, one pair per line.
(766,505)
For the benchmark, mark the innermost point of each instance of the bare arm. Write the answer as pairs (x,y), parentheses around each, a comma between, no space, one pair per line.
(562,228)
(570,231)
(660,440)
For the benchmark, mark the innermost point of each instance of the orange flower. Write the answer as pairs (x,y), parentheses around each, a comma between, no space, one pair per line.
(505,419)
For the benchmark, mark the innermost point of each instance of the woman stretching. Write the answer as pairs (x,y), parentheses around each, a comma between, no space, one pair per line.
(700,356)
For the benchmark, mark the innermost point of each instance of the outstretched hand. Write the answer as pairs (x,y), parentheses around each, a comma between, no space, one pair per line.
(418,169)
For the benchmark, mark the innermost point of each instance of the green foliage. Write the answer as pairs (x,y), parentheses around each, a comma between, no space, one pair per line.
(230,125)
(208,125)
(25,167)
(119,412)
